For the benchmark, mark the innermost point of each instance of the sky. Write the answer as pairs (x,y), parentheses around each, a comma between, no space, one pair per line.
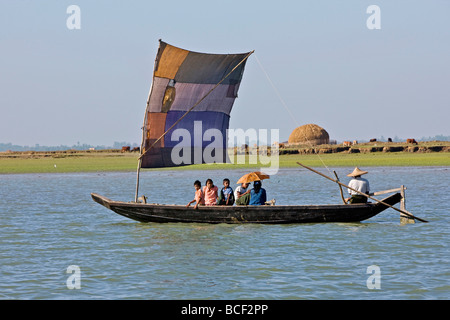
(314,62)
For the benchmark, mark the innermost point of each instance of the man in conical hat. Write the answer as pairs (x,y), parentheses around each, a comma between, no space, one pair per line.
(360,184)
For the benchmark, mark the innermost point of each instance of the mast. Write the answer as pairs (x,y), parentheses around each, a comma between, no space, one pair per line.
(142,145)
(138,170)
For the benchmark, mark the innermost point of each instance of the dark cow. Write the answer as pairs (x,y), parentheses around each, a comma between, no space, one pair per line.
(136,149)
(389,140)
(413,141)
(125,149)
(373,140)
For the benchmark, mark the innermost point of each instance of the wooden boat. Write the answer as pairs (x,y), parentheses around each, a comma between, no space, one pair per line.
(146,212)
(183,81)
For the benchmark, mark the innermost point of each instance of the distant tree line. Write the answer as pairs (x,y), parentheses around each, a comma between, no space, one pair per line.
(78,146)
(120,144)
(440,137)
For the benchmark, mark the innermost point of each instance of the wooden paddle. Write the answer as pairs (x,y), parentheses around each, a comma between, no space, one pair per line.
(379,201)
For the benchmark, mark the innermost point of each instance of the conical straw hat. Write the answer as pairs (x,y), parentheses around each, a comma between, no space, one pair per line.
(357,172)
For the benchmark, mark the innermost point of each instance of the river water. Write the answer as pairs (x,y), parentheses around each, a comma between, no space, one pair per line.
(56,243)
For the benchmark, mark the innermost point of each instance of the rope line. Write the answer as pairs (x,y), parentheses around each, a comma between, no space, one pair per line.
(289,111)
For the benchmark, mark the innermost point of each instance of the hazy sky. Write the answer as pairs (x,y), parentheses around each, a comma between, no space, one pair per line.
(62,86)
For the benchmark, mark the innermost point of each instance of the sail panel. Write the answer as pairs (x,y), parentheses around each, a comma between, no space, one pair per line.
(155,128)
(210,68)
(197,125)
(169,60)
(182,79)
(188,95)
(221,99)
(157,94)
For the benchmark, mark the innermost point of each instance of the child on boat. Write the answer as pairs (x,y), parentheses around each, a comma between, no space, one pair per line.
(199,197)
(210,191)
(226,196)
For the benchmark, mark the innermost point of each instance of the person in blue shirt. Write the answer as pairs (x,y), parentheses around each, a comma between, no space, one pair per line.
(257,194)
(226,196)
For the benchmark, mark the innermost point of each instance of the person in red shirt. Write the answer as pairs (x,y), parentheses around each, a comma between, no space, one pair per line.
(210,191)
(199,197)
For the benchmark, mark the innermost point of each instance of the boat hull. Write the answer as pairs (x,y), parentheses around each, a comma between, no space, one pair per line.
(160,213)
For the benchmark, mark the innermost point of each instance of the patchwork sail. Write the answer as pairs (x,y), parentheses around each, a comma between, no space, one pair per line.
(188,110)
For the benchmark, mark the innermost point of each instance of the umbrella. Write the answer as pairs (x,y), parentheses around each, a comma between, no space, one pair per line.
(253,176)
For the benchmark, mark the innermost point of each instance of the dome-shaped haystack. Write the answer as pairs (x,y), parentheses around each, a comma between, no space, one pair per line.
(310,134)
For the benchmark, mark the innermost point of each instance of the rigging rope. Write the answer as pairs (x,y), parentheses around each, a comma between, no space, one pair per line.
(289,111)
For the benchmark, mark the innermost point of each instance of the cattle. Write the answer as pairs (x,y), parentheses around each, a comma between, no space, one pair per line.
(389,140)
(347,143)
(373,140)
(125,149)
(136,149)
(243,149)
(413,141)
(278,144)
(354,142)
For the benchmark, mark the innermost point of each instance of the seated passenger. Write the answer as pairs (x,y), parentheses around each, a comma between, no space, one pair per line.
(210,192)
(241,190)
(226,196)
(257,195)
(242,195)
(198,198)
(359,184)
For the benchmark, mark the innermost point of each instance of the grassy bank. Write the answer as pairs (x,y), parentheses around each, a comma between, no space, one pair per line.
(115,161)
(84,163)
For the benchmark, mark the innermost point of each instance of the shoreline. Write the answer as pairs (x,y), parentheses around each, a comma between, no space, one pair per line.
(71,161)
